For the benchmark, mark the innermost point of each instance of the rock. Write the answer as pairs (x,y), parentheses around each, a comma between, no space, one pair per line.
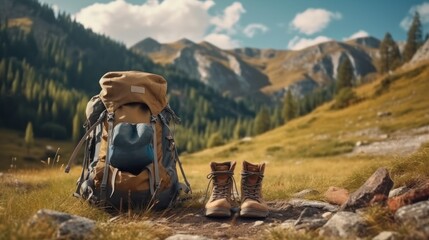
(258,223)
(288,224)
(187,237)
(210,225)
(412,196)
(415,215)
(398,191)
(383,114)
(76,228)
(310,224)
(358,143)
(344,225)
(336,195)
(387,235)
(305,192)
(327,215)
(220,235)
(379,183)
(378,199)
(307,212)
(313,204)
(225,225)
(384,136)
(67,225)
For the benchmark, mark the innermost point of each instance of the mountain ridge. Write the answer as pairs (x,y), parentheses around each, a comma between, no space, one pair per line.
(277,70)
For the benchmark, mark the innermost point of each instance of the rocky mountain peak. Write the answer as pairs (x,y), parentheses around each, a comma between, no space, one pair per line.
(184,42)
(369,41)
(148,45)
(208,45)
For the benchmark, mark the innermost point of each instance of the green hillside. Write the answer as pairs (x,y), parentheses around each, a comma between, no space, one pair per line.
(50,66)
(308,152)
(314,148)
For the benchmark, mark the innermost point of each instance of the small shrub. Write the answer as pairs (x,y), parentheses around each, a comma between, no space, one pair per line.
(384,86)
(345,98)
(53,131)
(273,149)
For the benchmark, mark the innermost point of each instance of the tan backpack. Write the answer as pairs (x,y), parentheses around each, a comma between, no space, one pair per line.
(130,155)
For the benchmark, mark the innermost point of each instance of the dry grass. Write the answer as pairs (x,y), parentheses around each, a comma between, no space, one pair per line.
(305,153)
(12,145)
(26,191)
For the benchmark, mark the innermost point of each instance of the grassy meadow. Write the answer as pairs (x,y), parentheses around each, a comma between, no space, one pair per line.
(308,152)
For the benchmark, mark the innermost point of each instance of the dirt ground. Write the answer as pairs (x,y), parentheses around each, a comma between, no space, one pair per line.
(192,221)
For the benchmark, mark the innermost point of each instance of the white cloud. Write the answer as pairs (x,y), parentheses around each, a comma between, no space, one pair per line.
(358,34)
(165,21)
(253,28)
(222,40)
(229,19)
(313,20)
(56,9)
(298,43)
(422,9)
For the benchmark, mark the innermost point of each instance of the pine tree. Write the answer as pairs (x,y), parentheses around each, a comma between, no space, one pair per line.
(289,107)
(414,38)
(76,128)
(276,118)
(262,121)
(239,131)
(390,57)
(54,110)
(344,75)
(29,136)
(215,140)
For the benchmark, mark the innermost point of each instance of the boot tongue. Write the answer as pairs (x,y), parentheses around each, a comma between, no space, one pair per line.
(221,178)
(252,179)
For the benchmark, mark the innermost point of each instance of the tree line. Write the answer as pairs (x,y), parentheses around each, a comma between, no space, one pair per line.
(45,83)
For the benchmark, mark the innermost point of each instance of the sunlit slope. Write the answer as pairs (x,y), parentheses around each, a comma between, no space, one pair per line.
(327,132)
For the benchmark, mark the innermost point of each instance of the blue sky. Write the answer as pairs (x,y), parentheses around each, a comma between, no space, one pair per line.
(279,24)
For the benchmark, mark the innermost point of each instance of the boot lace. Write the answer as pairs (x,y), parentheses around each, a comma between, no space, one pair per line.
(251,191)
(221,190)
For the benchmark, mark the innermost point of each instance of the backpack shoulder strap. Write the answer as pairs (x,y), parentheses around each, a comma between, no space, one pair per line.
(82,141)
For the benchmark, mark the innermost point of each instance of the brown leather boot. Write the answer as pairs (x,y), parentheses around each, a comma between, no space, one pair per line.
(252,204)
(219,204)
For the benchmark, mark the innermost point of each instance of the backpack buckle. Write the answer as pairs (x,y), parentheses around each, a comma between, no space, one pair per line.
(110,117)
(153,119)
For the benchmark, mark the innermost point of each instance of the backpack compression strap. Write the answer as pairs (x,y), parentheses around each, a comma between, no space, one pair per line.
(187,187)
(155,153)
(103,187)
(82,141)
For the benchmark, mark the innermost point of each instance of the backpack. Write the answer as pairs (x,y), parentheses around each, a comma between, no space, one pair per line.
(130,155)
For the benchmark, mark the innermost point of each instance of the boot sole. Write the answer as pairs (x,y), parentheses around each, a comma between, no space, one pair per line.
(252,213)
(218,212)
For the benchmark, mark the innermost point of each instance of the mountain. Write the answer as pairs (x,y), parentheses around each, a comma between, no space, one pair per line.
(249,70)
(213,66)
(50,66)
(315,66)
(391,119)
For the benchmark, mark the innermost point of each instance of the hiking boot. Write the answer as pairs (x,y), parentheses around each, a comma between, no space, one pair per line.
(252,204)
(219,204)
